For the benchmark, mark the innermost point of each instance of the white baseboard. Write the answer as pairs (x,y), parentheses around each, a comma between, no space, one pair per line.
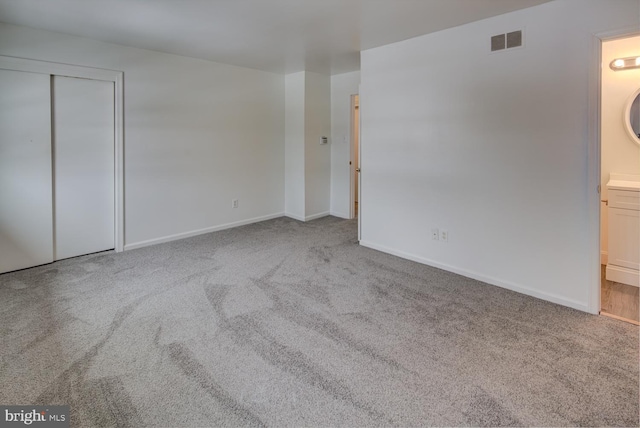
(604,258)
(623,275)
(315,216)
(307,218)
(340,215)
(480,277)
(199,232)
(294,216)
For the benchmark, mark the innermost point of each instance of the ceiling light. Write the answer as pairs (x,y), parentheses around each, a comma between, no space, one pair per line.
(625,63)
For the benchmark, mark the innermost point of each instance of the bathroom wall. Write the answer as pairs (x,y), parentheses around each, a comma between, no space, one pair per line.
(619,153)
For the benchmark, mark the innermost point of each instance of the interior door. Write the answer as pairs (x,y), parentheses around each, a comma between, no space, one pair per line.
(84,166)
(26,224)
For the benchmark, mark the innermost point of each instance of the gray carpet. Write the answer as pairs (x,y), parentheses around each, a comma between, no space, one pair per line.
(283,323)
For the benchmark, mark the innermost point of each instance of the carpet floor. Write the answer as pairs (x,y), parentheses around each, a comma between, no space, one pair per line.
(283,323)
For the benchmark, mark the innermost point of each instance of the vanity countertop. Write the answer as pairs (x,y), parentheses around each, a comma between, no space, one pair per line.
(624,182)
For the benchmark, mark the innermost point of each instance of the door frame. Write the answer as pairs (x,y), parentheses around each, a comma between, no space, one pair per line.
(352,158)
(594,160)
(117,77)
(355,176)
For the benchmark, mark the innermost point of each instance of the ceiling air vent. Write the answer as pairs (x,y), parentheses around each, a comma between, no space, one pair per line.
(506,41)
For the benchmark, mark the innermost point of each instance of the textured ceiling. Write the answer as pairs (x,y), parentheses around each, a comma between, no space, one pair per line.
(281,36)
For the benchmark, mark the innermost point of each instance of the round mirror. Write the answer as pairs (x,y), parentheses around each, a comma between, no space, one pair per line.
(632,117)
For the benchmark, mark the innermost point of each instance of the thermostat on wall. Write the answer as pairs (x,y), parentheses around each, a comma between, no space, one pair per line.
(324,140)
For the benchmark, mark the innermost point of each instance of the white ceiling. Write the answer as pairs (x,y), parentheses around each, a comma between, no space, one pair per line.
(282,36)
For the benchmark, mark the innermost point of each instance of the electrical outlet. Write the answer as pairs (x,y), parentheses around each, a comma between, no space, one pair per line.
(234,203)
(435,234)
(444,235)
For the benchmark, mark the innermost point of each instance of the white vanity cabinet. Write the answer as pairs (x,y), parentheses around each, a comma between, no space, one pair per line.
(624,230)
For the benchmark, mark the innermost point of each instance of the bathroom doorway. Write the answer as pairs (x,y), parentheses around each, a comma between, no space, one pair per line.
(619,177)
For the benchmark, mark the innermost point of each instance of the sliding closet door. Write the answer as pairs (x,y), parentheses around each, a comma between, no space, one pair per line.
(83,141)
(26,227)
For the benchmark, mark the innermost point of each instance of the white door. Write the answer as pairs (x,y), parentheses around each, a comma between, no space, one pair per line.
(83,141)
(26,227)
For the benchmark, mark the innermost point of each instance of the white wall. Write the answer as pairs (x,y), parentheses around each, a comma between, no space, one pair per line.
(342,87)
(317,156)
(197,134)
(308,163)
(491,147)
(295,145)
(619,153)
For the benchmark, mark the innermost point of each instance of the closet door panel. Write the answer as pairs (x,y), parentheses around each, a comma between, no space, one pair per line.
(26,216)
(83,116)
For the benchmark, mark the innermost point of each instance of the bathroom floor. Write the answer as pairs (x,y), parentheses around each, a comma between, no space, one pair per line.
(620,301)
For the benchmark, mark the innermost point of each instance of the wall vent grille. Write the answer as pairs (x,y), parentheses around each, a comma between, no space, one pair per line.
(506,41)
(497,43)
(514,39)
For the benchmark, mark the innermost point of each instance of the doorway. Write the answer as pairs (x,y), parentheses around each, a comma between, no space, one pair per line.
(619,164)
(355,158)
